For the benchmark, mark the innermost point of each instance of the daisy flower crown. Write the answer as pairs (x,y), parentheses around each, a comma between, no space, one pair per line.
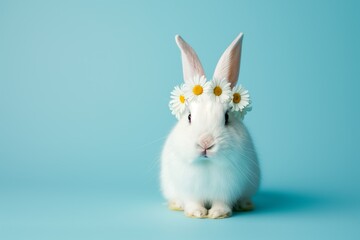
(238,98)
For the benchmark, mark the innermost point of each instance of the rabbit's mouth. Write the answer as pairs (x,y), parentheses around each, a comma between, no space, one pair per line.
(204,154)
(205,150)
(202,159)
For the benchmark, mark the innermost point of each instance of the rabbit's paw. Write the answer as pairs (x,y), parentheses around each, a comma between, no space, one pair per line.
(175,205)
(195,211)
(219,211)
(244,205)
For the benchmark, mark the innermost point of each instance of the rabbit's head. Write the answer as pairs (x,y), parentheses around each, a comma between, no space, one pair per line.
(208,128)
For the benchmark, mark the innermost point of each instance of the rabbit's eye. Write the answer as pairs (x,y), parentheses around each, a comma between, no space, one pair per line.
(226,118)
(189,117)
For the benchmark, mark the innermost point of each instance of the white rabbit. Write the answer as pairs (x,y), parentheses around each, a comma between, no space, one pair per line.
(208,160)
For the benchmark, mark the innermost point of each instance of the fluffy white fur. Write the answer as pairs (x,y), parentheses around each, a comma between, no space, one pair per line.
(227,177)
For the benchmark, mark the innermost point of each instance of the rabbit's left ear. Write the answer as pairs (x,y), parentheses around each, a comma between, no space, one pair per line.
(191,64)
(229,64)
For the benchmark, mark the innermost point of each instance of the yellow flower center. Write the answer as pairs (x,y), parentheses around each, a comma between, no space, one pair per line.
(237,98)
(217,91)
(198,90)
(182,99)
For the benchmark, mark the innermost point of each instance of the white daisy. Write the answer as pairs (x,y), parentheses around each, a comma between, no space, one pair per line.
(178,101)
(240,98)
(195,88)
(220,90)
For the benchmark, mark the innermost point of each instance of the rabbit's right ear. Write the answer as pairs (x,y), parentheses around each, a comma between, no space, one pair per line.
(229,64)
(190,61)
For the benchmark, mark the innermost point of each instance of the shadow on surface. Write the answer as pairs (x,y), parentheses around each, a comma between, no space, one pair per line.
(286,202)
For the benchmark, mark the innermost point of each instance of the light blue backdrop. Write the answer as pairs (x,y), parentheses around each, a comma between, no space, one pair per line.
(84,89)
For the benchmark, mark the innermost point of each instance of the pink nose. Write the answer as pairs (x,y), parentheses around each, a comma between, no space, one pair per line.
(206,141)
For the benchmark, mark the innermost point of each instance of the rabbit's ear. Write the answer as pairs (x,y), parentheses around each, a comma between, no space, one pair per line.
(229,64)
(190,61)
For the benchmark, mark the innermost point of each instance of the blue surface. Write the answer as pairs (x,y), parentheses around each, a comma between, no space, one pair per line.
(84,89)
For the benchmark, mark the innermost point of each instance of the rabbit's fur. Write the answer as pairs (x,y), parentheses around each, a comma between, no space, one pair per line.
(228,176)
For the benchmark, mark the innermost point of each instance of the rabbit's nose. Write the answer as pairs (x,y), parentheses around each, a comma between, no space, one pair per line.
(206,141)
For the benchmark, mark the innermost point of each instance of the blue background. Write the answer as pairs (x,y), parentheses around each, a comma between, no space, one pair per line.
(84,91)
